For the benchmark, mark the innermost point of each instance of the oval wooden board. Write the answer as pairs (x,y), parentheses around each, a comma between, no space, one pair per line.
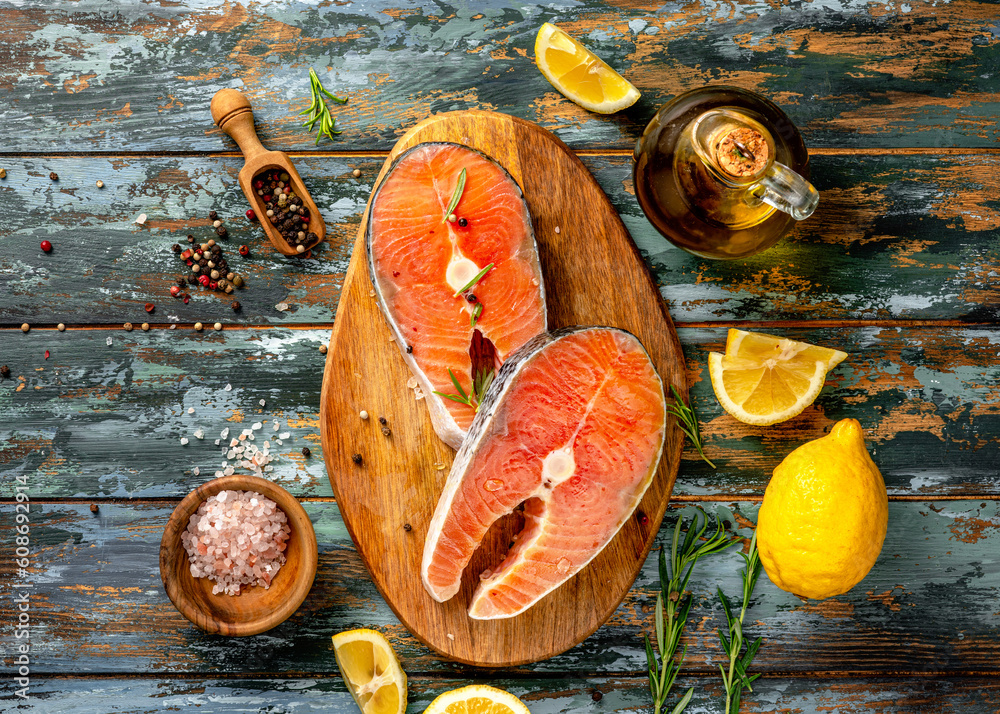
(593,275)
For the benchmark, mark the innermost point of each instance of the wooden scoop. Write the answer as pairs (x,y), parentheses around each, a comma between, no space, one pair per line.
(234,115)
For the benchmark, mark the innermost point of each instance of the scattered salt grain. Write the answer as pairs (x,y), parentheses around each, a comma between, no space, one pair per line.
(281,306)
(227,388)
(199,434)
(557,230)
(197,471)
(190,410)
(279,442)
(224,433)
(218,441)
(284,435)
(141,219)
(451,636)
(275,426)
(262,402)
(218,474)
(411,382)
(109,341)
(256,425)
(184,441)
(363,414)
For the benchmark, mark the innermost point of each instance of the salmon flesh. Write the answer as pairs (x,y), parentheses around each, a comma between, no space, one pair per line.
(420,262)
(572,427)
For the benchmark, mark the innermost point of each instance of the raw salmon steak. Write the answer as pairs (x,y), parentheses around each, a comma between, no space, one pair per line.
(572,427)
(420,262)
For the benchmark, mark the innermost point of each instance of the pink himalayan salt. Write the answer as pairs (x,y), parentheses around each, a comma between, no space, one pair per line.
(236,538)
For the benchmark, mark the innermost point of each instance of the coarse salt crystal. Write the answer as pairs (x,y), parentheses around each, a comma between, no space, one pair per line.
(262,402)
(224,433)
(190,410)
(284,435)
(218,474)
(557,230)
(231,454)
(276,426)
(411,382)
(109,341)
(199,434)
(184,441)
(281,306)
(141,219)
(279,442)
(228,388)
(197,471)
(218,441)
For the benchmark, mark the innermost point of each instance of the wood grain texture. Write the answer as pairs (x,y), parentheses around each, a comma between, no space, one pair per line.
(544,695)
(106,421)
(593,275)
(100,608)
(922,227)
(138,75)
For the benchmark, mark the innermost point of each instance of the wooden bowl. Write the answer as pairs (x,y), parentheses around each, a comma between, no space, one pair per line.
(255,609)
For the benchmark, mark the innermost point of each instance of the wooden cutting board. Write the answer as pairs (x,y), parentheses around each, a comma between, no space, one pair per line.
(593,275)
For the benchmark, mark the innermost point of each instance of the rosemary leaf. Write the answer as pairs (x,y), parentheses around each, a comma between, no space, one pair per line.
(737,679)
(688,422)
(475,281)
(317,110)
(476,312)
(456,196)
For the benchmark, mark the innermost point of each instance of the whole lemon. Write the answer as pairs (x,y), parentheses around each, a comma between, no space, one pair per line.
(824,516)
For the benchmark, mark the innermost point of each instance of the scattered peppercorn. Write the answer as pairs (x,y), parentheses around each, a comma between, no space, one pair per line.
(463,222)
(25,327)
(150,307)
(54,176)
(452,218)
(470,297)
(145,327)
(238,281)
(213,215)
(643,518)
(597,696)
(386,431)
(46,246)
(46,354)
(407,527)
(190,239)
(244,250)
(236,306)
(217,326)
(356,173)
(100,184)
(409,349)
(175,290)
(176,247)
(322,349)
(221,232)
(306,452)
(93,506)
(61,327)
(5,372)
(357,459)
(198,326)
(3,173)
(251,215)
(382,421)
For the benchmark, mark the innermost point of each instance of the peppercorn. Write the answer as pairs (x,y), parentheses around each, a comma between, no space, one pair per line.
(236,306)
(150,307)
(192,280)
(470,297)
(221,232)
(356,173)
(3,173)
(382,421)
(93,506)
(300,249)
(407,527)
(238,281)
(357,459)
(100,184)
(61,327)
(198,326)
(386,431)
(213,215)
(463,222)
(25,327)
(176,247)
(128,327)
(306,452)
(175,290)
(217,326)
(409,349)
(597,695)
(244,250)
(251,215)
(145,327)
(54,176)
(190,239)
(181,281)
(5,372)
(322,349)
(46,246)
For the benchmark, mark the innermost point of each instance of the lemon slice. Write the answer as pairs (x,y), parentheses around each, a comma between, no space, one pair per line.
(477,699)
(579,74)
(371,671)
(763,379)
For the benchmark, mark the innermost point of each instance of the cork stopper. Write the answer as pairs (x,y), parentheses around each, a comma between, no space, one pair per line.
(743,153)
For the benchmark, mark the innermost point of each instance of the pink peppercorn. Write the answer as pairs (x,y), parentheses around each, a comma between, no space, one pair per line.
(204,280)
(213,285)
(46,246)
(244,250)
(268,198)
(286,189)
(175,291)
(258,184)
(305,219)
(251,216)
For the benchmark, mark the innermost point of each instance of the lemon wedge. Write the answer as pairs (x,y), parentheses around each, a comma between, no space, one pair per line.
(579,74)
(371,671)
(477,699)
(763,379)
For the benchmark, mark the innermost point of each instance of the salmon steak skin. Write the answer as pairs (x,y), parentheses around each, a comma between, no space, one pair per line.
(573,427)
(421,264)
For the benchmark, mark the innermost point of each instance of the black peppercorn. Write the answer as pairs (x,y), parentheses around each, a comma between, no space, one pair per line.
(382,421)
(305,451)
(311,237)
(213,215)
(176,248)
(5,372)
(597,696)
(190,239)
(463,222)
(386,431)
(236,306)
(407,527)
(93,508)
(54,176)
(409,349)
(192,280)
(221,232)
(357,459)
(470,297)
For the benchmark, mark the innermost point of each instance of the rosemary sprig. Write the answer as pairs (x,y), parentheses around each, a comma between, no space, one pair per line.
(739,658)
(318,111)
(476,312)
(456,196)
(688,422)
(672,605)
(481,381)
(475,281)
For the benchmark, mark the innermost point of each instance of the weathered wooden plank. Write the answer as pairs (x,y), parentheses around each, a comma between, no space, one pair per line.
(895,237)
(98,420)
(97,604)
(136,75)
(544,695)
